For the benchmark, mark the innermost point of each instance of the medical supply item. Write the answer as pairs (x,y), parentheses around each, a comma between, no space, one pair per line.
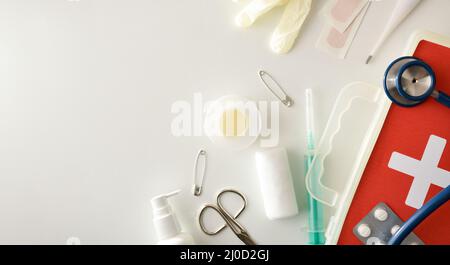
(409,162)
(315,212)
(341,13)
(401,10)
(379,225)
(199,176)
(337,43)
(230,220)
(432,205)
(276,184)
(343,151)
(166,224)
(272,85)
(233,122)
(287,31)
(409,81)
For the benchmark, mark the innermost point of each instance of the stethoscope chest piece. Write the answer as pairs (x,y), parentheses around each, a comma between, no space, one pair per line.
(409,81)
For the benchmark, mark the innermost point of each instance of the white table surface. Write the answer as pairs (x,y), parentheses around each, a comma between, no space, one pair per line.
(86,90)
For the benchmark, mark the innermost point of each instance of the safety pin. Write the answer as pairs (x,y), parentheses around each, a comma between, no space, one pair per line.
(284,98)
(197,189)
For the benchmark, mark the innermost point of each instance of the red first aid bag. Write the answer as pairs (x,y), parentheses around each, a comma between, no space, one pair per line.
(410,162)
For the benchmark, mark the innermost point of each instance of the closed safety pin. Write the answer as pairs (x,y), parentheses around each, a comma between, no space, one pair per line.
(198,182)
(270,84)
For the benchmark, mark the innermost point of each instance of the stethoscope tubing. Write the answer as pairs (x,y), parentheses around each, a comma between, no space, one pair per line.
(443,98)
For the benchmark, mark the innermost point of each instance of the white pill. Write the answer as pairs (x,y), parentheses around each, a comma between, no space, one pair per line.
(364,230)
(394,229)
(381,214)
(374,241)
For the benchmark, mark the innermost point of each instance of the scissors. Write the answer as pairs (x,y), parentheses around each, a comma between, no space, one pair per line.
(409,81)
(230,220)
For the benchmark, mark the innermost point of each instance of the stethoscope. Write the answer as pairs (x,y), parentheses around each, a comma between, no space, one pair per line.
(409,81)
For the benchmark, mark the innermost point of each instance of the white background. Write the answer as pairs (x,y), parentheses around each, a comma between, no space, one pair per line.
(86,89)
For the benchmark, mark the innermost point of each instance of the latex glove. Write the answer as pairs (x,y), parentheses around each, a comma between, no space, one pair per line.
(285,34)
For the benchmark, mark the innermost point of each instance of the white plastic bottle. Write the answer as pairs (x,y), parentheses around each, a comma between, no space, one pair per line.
(166,223)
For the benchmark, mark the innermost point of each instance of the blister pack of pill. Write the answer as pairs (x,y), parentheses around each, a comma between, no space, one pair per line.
(379,225)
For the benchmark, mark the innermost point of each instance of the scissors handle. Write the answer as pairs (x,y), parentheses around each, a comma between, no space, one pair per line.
(230,221)
(220,208)
(202,225)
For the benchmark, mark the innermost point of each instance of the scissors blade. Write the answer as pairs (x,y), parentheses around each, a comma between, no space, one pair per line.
(244,237)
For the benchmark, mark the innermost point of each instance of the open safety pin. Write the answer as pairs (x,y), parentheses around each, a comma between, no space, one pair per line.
(266,78)
(198,186)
